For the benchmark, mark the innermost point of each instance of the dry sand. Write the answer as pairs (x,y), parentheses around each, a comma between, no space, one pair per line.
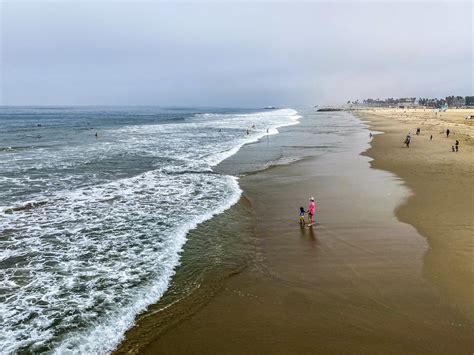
(361,281)
(429,120)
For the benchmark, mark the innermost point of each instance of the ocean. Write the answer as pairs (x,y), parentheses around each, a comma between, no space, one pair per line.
(96,204)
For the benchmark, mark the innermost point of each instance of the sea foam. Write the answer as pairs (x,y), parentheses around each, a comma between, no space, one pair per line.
(76,269)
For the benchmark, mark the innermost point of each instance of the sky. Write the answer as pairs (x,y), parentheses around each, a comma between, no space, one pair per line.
(232,54)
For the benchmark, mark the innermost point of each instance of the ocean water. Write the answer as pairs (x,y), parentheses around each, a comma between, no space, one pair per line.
(91,228)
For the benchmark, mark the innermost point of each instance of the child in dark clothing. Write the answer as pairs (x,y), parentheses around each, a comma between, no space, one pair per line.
(302,221)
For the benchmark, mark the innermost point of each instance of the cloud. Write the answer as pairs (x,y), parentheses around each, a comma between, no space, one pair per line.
(232,53)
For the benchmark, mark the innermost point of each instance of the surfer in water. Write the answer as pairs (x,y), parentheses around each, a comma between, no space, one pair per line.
(311,210)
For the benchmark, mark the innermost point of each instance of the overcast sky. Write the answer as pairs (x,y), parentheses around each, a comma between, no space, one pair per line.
(232,54)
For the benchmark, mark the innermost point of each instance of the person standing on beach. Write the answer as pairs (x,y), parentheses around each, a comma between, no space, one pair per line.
(311,211)
(457,145)
(407,140)
(447,133)
(431,137)
(302,212)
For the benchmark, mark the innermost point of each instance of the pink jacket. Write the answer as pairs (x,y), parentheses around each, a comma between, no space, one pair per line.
(311,208)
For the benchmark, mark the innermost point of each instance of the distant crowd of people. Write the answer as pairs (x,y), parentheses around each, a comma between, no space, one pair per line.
(407,141)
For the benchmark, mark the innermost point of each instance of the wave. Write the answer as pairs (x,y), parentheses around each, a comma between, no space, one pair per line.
(93,255)
(25,207)
(106,335)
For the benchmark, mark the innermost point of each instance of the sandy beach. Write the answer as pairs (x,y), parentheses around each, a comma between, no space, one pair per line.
(442,205)
(156,159)
(371,277)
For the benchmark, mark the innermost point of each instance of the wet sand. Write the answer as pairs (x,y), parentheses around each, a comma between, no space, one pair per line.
(354,283)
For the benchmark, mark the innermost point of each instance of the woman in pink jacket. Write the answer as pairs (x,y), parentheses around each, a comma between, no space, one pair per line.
(311,211)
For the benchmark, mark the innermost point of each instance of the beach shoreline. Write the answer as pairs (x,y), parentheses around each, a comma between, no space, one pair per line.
(355,283)
(441,207)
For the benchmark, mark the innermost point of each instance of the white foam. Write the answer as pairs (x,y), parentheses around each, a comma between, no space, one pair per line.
(95,256)
(107,334)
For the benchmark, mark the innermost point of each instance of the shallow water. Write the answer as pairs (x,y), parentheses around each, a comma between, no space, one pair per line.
(91,227)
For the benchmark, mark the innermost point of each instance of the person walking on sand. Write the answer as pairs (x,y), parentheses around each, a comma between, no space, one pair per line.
(311,211)
(407,140)
(457,145)
(447,133)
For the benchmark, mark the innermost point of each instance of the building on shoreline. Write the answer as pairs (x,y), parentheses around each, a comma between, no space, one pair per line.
(409,102)
(413,102)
